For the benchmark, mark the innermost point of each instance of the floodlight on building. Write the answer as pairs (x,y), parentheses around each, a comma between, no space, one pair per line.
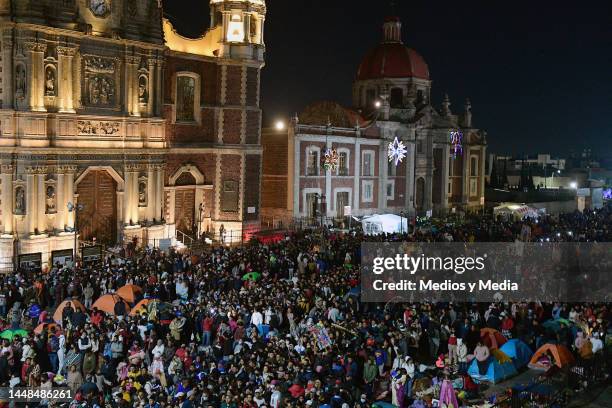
(377,104)
(279,125)
(573,185)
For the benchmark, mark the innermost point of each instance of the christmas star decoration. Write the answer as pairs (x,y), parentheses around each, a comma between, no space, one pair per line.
(456,140)
(396,151)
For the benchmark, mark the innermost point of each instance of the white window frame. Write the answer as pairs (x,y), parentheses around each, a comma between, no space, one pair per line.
(197,114)
(473,186)
(348,160)
(342,190)
(365,183)
(305,192)
(309,149)
(474,174)
(372,159)
(392,196)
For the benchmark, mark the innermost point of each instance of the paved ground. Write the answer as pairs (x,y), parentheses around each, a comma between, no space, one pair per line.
(598,398)
(523,378)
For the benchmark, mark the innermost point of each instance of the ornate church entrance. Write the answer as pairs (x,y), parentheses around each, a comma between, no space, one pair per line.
(98,218)
(184,204)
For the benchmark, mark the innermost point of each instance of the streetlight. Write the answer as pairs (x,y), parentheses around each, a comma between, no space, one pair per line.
(574,185)
(377,104)
(279,125)
(75,209)
(201,210)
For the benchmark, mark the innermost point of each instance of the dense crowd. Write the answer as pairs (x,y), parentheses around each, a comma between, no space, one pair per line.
(278,325)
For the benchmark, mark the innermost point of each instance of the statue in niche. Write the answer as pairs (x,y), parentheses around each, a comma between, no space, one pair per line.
(20,81)
(19,201)
(142,194)
(143,95)
(50,199)
(50,82)
(101,91)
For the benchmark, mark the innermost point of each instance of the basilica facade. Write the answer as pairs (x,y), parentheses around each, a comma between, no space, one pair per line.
(332,160)
(116,128)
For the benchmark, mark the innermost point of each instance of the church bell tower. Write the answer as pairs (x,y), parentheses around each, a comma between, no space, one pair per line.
(242,27)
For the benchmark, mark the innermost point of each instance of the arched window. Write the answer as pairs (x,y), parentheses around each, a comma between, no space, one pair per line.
(397,98)
(187,97)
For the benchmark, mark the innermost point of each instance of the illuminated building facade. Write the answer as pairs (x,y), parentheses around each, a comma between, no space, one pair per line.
(106,109)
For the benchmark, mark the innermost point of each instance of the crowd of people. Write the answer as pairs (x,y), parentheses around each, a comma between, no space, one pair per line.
(277,325)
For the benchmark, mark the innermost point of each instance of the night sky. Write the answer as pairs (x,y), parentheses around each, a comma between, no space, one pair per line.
(539,74)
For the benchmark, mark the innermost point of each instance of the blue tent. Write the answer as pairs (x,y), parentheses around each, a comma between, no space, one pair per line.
(496,371)
(518,351)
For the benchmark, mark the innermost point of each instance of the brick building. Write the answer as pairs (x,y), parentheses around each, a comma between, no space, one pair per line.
(444,163)
(115,127)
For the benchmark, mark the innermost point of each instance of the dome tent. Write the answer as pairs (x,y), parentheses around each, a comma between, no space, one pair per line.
(500,367)
(518,351)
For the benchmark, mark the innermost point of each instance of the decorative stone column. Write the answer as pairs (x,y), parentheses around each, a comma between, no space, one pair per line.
(150,86)
(131,194)
(481,173)
(158,87)
(69,217)
(131,84)
(65,78)
(41,194)
(31,202)
(445,180)
(151,191)
(60,200)
(7,71)
(36,75)
(159,192)
(7,199)
(465,177)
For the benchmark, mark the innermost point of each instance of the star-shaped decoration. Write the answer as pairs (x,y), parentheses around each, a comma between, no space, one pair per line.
(331,159)
(396,151)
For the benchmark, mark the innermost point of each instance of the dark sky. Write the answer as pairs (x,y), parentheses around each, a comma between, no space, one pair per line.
(538,73)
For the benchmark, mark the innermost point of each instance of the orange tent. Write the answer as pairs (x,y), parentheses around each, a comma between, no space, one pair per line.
(129,292)
(41,326)
(140,306)
(492,338)
(57,315)
(106,303)
(561,356)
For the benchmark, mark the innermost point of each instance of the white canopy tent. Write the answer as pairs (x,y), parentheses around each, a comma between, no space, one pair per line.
(384,223)
(518,211)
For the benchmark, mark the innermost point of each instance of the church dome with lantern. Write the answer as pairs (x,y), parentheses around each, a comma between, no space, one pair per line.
(391,58)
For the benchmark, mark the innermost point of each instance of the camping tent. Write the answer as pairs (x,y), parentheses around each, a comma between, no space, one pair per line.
(518,351)
(492,338)
(384,223)
(561,356)
(499,368)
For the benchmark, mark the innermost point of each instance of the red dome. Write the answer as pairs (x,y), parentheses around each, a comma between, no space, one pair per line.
(392,60)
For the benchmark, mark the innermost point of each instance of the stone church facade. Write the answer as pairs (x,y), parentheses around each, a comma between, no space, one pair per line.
(115,125)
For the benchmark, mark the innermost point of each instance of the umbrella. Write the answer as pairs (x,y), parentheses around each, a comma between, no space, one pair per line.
(253,276)
(129,292)
(57,315)
(107,303)
(41,326)
(11,333)
(141,306)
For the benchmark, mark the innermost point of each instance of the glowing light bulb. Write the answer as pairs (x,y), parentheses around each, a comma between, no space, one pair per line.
(280,125)
(377,104)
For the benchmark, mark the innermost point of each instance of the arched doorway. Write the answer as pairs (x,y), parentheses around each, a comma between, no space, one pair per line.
(98,219)
(420,194)
(184,204)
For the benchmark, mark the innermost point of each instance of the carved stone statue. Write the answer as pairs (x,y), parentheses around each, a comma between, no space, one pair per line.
(50,199)
(142,193)
(20,81)
(20,201)
(50,82)
(143,96)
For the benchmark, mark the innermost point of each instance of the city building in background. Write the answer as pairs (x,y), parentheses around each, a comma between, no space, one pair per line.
(338,158)
(118,129)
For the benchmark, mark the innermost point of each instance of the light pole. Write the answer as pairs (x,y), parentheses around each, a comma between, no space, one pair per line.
(76,209)
(200,211)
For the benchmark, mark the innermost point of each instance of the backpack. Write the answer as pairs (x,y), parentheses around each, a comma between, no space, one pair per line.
(54,344)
